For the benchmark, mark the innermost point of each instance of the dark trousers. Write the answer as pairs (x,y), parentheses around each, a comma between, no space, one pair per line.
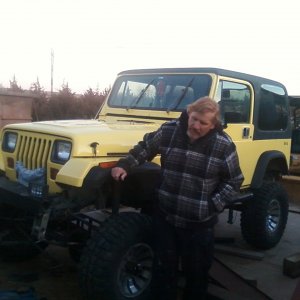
(193,248)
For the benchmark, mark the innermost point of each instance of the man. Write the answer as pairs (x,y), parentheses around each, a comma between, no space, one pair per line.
(200,174)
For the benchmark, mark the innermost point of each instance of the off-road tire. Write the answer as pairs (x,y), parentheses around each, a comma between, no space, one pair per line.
(117,261)
(263,218)
(77,240)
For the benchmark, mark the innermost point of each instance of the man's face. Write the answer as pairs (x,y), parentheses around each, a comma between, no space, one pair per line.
(199,124)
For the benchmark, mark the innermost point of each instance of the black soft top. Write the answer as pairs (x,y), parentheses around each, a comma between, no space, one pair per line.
(255,80)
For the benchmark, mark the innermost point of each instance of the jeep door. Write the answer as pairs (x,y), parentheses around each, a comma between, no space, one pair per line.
(235,98)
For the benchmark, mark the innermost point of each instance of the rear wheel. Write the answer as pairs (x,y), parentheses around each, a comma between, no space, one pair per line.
(264,217)
(117,261)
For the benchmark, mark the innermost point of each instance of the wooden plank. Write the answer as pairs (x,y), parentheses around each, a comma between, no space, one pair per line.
(239,252)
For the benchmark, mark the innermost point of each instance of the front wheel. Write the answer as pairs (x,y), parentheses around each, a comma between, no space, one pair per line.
(118,259)
(264,217)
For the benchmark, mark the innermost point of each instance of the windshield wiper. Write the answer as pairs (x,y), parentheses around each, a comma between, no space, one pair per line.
(179,99)
(135,101)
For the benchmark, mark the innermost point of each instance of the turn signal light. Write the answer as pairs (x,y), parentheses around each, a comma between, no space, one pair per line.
(10,162)
(53,173)
(107,164)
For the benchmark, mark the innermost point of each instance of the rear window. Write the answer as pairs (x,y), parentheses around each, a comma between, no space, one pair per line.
(273,110)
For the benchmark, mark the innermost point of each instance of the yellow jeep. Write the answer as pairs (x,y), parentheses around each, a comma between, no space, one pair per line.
(56,175)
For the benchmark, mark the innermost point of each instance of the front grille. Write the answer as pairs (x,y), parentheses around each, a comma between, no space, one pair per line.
(33,152)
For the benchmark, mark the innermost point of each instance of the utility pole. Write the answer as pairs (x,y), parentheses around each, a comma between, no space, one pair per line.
(52,66)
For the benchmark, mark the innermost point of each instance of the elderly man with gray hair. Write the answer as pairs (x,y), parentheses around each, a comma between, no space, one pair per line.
(200,174)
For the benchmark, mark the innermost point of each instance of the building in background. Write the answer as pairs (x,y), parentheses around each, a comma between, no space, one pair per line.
(15,107)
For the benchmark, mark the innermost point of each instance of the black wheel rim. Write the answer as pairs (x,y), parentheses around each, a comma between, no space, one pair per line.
(273,215)
(135,272)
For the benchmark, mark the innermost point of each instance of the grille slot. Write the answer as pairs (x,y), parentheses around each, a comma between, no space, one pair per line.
(33,152)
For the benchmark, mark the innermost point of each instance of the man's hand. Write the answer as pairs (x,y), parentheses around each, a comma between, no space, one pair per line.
(118,173)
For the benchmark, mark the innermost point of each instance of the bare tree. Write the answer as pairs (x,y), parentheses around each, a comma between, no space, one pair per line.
(13,85)
(39,104)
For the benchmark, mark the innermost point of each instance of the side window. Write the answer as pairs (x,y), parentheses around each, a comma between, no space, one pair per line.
(234,99)
(273,111)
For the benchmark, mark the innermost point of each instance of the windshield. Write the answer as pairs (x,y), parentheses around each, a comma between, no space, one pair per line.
(161,92)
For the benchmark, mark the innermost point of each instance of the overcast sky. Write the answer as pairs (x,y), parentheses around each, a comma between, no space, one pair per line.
(93,40)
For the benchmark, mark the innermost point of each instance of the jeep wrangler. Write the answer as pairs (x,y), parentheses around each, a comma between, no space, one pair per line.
(55,183)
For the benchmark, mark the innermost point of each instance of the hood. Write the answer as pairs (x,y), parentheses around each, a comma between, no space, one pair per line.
(112,138)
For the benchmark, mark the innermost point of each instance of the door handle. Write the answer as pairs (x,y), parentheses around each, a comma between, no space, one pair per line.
(246,132)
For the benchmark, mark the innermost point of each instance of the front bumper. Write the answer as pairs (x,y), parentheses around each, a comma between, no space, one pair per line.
(19,196)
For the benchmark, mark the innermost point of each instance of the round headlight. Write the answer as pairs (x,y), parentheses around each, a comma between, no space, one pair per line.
(9,141)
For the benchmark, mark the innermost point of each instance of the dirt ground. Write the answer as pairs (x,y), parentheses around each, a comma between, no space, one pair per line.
(53,274)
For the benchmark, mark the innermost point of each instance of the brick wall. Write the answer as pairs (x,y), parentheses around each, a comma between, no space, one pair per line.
(15,108)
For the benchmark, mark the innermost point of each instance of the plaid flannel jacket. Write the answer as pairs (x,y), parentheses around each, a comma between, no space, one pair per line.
(197,179)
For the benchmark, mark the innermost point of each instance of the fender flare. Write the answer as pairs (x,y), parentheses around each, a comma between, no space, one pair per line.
(263,163)
(97,175)
(74,171)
